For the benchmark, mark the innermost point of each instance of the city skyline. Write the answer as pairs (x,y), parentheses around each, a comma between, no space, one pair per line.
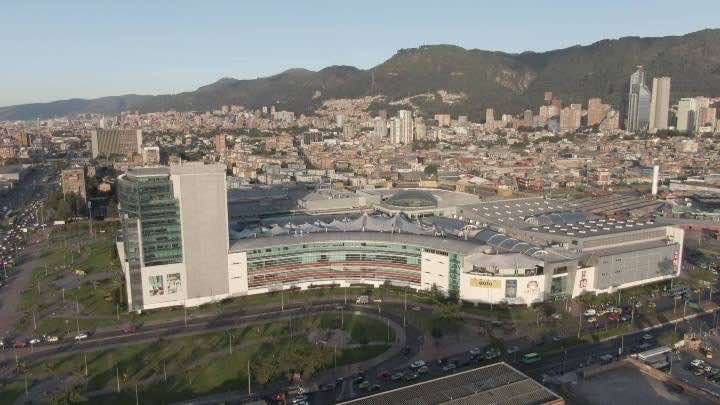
(212,45)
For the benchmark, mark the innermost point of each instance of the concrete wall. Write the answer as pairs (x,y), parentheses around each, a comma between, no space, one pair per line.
(237,273)
(489,289)
(434,269)
(170,295)
(201,190)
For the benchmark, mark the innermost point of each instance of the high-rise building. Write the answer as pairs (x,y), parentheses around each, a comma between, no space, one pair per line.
(443,120)
(220,144)
(528,118)
(380,127)
(638,102)
(597,111)
(489,115)
(556,103)
(420,128)
(111,142)
(73,181)
(687,115)
(175,235)
(151,155)
(611,121)
(407,129)
(659,104)
(543,114)
(23,139)
(707,117)
(395,131)
(571,117)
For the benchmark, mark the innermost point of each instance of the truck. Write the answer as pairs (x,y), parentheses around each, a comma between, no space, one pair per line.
(362,300)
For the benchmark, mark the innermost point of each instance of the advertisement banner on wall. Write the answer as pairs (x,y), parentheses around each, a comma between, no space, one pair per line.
(484,282)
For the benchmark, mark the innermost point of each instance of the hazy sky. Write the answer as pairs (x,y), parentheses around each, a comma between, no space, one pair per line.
(54,49)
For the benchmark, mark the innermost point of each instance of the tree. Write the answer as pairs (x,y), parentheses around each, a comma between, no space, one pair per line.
(431,169)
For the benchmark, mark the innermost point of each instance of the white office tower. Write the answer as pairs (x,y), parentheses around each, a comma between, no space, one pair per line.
(659,104)
(656,179)
(407,127)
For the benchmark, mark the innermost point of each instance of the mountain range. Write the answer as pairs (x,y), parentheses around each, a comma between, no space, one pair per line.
(508,82)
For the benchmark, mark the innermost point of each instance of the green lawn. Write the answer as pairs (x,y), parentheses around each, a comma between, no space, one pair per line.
(199,364)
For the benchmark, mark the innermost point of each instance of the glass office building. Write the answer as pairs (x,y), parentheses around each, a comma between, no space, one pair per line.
(150,217)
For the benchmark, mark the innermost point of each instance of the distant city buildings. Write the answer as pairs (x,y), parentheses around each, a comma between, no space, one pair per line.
(638,115)
(116,142)
(659,104)
(571,117)
(151,155)
(73,181)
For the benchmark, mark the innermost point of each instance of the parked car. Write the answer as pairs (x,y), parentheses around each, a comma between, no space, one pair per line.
(81,336)
(590,312)
(129,329)
(397,376)
(52,339)
(449,367)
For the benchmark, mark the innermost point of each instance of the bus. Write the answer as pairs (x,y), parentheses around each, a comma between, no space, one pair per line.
(530,358)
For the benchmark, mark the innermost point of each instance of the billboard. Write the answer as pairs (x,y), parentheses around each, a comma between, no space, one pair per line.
(484,282)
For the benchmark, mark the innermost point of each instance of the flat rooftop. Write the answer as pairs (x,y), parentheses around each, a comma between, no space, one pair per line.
(497,383)
(594,227)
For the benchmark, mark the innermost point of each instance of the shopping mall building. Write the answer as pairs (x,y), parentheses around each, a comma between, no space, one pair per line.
(177,247)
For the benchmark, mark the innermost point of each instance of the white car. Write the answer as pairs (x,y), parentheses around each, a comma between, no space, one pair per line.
(35,341)
(81,336)
(417,364)
(590,312)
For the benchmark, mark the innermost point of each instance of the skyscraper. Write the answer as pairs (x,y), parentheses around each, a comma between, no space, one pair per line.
(489,115)
(597,111)
(687,115)
(407,129)
(175,235)
(659,104)
(638,102)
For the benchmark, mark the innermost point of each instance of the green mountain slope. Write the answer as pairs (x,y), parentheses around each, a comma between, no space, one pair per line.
(507,82)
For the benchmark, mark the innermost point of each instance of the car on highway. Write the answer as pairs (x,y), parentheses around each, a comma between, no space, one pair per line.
(411,376)
(383,375)
(491,353)
(417,364)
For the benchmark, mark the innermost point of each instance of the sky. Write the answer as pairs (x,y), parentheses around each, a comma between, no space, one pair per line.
(51,50)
